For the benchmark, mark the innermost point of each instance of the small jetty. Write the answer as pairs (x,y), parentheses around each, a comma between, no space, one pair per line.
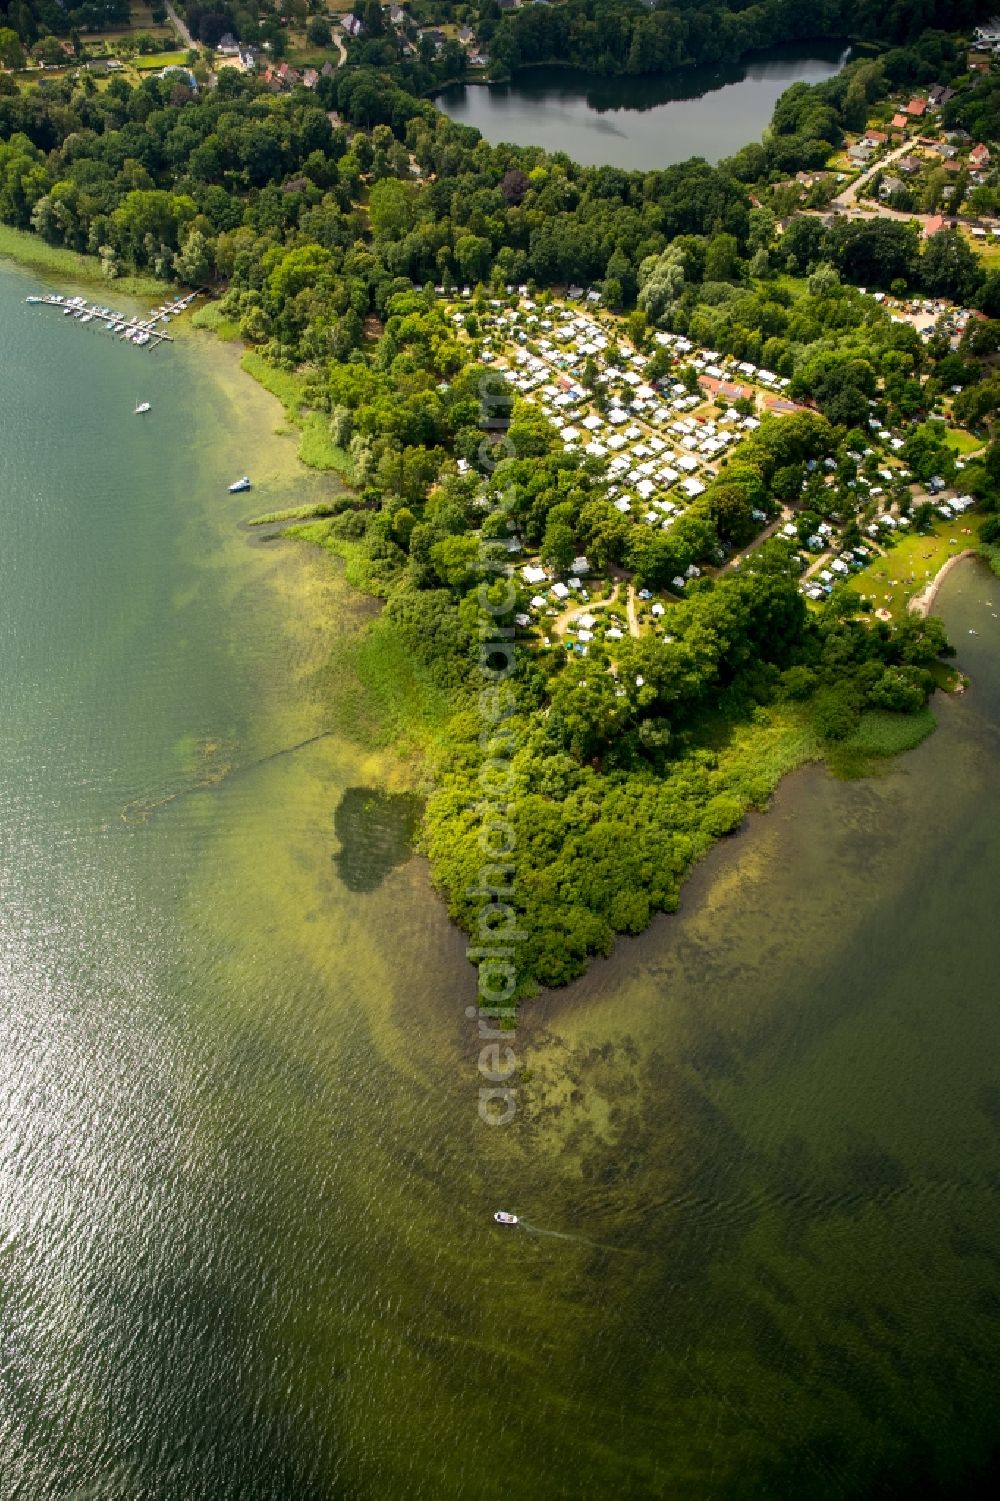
(144,333)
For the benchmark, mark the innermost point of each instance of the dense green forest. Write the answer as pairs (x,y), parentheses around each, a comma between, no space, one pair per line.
(32,19)
(630,36)
(327,242)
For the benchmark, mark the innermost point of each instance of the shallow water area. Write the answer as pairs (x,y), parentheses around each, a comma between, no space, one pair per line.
(246,1199)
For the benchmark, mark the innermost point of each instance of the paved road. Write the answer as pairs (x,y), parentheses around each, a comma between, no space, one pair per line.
(847,201)
(175,20)
(848,198)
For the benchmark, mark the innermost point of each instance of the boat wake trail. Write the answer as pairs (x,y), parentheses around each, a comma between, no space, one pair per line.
(566,1235)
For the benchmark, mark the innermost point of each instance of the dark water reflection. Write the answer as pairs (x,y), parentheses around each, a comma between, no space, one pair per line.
(645,122)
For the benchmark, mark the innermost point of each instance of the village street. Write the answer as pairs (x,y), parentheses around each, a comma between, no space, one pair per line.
(181,26)
(848,198)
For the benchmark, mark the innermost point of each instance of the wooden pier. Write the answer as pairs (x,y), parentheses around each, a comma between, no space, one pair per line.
(144,333)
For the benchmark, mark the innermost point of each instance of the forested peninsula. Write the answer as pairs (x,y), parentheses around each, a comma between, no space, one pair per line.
(464,332)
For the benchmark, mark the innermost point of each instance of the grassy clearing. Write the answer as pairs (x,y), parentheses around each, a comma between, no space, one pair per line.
(988,251)
(30,250)
(212,318)
(151,61)
(797,285)
(908,567)
(961,442)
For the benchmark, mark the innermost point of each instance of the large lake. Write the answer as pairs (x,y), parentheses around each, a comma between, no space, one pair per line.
(246,1249)
(645,122)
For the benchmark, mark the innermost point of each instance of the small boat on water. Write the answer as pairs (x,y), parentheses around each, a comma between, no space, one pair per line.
(503,1218)
(240,484)
(34,299)
(142,406)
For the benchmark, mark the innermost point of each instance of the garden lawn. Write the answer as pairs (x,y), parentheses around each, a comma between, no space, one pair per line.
(962,442)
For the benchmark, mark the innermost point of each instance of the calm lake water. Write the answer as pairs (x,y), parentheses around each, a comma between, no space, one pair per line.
(641,123)
(245,1242)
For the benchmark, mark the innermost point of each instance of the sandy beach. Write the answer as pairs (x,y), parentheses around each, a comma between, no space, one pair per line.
(922,603)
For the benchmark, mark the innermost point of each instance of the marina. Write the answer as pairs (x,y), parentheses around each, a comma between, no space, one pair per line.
(144,333)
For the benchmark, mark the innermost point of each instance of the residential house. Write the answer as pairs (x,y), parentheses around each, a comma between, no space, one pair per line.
(397,15)
(351,26)
(860,155)
(228,45)
(900,121)
(979,157)
(874,138)
(908,164)
(933,225)
(917,108)
(310,78)
(938,96)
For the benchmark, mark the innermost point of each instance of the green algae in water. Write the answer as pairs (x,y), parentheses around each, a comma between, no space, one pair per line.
(376,832)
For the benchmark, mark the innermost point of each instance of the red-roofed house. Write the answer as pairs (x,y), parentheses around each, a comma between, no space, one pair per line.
(899,122)
(916,108)
(874,138)
(979,156)
(933,225)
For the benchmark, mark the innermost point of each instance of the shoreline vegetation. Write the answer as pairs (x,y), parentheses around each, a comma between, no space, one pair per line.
(681,73)
(382,265)
(35,254)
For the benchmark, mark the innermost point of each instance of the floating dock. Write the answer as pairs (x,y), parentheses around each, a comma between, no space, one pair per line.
(144,333)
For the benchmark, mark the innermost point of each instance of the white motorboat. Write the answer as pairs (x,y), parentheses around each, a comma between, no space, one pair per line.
(142,406)
(503,1218)
(240,484)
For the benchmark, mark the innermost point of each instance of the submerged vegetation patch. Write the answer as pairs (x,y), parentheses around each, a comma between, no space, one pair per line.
(376,832)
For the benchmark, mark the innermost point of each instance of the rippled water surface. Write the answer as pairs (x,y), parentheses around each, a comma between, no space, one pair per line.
(245,1237)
